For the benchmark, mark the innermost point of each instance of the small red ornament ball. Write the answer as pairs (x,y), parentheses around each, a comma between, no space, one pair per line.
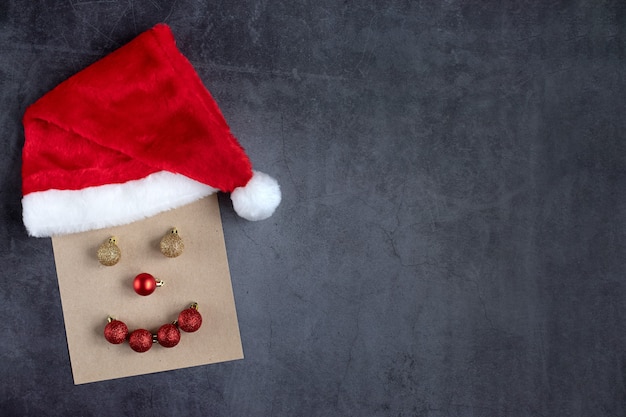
(168,335)
(144,284)
(115,332)
(189,320)
(140,340)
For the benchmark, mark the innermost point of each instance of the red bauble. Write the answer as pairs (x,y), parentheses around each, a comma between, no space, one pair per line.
(145,284)
(115,332)
(189,320)
(140,340)
(168,335)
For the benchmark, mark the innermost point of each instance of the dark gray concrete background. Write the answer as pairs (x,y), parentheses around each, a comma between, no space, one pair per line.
(452,236)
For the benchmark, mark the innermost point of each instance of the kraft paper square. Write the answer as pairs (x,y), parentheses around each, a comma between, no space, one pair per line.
(90,292)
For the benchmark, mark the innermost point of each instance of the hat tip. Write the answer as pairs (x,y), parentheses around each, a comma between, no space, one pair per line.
(258,199)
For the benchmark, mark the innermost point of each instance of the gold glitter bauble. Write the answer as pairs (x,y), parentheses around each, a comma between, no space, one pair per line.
(172,245)
(108,253)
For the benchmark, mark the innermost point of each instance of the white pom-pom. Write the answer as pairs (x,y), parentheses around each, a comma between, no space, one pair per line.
(258,199)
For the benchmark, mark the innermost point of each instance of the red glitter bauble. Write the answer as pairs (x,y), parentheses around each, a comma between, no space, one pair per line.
(189,320)
(140,340)
(115,332)
(144,284)
(168,335)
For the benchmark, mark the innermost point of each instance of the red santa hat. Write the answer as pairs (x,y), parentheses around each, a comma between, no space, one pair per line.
(130,136)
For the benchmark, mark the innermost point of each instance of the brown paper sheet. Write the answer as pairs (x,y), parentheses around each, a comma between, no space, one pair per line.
(91,292)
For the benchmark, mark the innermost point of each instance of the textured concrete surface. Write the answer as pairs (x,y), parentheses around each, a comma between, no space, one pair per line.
(452,237)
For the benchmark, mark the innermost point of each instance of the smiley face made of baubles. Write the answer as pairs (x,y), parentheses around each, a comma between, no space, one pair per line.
(168,335)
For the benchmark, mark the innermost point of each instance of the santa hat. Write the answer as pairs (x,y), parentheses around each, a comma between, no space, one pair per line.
(130,136)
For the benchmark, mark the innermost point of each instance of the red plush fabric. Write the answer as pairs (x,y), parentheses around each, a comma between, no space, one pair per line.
(139,110)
